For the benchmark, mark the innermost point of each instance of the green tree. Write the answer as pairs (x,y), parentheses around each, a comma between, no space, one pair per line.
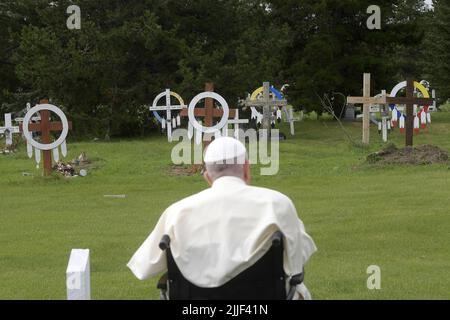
(437,48)
(330,46)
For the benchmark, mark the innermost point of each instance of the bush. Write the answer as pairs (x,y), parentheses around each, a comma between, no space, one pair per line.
(326,116)
(445,107)
(311,116)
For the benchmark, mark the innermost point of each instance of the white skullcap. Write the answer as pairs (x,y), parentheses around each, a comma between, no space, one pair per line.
(224,149)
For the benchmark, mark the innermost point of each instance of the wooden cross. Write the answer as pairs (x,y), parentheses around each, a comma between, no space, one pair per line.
(208,112)
(410,101)
(8,130)
(45,127)
(268,103)
(366,100)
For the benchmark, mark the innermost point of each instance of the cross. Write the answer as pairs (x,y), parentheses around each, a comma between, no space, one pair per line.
(208,112)
(45,127)
(168,107)
(20,120)
(410,101)
(366,100)
(8,130)
(236,121)
(291,119)
(268,104)
(433,95)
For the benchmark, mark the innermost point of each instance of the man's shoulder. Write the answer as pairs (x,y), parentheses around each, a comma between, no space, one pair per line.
(270,194)
(189,200)
(248,193)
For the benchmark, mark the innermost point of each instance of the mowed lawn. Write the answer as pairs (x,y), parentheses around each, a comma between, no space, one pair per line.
(396,217)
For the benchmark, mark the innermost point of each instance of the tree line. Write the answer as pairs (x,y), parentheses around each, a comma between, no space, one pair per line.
(128,51)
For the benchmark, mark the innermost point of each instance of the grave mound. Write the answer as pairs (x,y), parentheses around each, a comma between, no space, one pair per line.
(183,170)
(421,155)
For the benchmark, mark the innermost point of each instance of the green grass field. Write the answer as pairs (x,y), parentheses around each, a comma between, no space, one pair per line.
(396,217)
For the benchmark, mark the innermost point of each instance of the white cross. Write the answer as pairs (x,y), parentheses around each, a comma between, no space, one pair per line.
(433,95)
(291,119)
(236,121)
(8,130)
(35,118)
(168,107)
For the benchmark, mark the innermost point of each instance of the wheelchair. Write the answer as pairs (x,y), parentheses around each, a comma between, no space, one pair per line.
(264,280)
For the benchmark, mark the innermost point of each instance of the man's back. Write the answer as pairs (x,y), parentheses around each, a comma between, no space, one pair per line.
(221,231)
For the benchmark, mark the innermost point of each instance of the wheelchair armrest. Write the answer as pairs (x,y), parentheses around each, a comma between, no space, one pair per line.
(297,279)
(164,244)
(293,283)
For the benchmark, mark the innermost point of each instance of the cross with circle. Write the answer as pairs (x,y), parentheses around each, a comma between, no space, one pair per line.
(268,103)
(46,127)
(209,112)
(410,100)
(168,107)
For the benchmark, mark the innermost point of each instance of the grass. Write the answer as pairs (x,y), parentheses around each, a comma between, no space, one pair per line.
(395,217)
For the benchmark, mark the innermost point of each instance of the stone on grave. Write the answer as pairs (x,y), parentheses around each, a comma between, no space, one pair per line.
(350,112)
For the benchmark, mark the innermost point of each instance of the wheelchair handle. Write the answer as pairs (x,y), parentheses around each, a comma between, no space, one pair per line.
(164,244)
(277,238)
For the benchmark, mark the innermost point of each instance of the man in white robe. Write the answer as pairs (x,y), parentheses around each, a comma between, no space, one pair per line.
(219,232)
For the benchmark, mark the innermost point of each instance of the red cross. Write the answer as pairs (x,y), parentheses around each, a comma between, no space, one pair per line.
(45,127)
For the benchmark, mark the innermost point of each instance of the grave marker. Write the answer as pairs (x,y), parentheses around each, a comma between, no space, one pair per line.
(8,130)
(168,123)
(78,280)
(209,112)
(236,122)
(268,103)
(409,101)
(366,100)
(45,127)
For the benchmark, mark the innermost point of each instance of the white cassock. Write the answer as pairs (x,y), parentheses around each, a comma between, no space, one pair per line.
(218,233)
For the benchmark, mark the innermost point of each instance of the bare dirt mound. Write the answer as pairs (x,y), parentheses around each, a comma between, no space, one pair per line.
(186,170)
(421,155)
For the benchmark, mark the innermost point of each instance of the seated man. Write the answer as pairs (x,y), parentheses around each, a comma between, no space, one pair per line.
(219,232)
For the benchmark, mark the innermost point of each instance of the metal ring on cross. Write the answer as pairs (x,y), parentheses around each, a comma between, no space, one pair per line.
(162,95)
(403,84)
(29,137)
(417,85)
(260,90)
(225,115)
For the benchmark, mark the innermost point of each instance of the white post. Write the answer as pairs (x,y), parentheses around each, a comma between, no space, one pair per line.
(78,275)
(384,129)
(433,95)
(384,121)
(291,121)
